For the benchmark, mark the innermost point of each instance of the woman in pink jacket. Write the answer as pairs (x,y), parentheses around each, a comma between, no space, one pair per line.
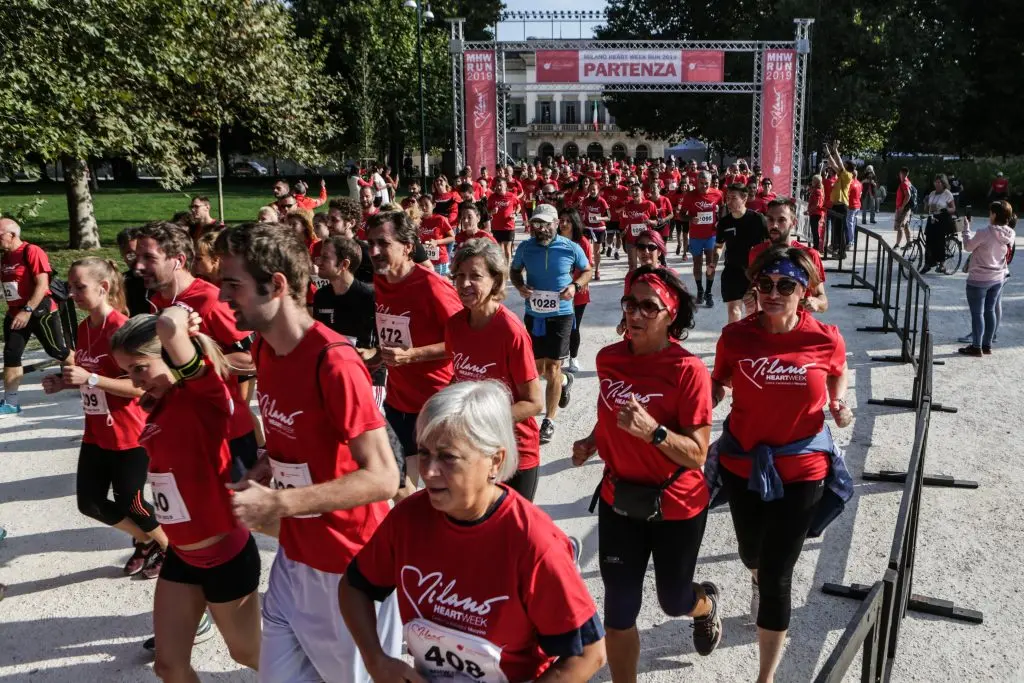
(989,249)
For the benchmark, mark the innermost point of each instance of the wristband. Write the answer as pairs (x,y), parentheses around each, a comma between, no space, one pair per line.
(189,369)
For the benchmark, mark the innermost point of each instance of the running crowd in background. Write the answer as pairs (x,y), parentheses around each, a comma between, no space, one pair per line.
(401,403)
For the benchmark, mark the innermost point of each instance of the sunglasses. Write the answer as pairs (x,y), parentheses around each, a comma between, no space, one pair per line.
(649,248)
(647,308)
(785,286)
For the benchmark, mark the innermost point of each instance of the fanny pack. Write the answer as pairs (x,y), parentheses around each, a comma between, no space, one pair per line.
(641,502)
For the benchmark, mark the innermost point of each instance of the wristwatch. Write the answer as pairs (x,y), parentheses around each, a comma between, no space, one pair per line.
(660,434)
(27,309)
(93,380)
(576,285)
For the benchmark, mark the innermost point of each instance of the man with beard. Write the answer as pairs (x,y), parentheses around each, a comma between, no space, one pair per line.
(281,190)
(366,203)
(202,221)
(781,218)
(549,289)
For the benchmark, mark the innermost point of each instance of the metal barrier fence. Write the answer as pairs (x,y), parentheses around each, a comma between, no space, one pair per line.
(903,297)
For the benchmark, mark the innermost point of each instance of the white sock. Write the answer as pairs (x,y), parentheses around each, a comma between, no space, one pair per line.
(11,397)
(564,380)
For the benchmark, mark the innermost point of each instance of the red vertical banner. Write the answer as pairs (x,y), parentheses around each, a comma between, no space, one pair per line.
(481,109)
(778,127)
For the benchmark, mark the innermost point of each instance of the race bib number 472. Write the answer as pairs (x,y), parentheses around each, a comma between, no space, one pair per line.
(393,330)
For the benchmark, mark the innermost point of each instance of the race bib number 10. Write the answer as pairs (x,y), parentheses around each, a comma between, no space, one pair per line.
(393,330)
(544,302)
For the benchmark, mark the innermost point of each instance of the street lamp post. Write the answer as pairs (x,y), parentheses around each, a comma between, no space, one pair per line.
(420,16)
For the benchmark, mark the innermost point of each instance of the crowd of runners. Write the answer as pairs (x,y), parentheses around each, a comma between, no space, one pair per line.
(405,365)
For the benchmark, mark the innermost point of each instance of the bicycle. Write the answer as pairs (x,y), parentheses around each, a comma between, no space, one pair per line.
(914,250)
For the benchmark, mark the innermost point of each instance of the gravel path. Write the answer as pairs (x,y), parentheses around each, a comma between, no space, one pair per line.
(69,615)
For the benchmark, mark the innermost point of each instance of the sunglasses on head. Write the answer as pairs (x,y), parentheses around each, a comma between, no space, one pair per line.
(649,248)
(647,308)
(785,285)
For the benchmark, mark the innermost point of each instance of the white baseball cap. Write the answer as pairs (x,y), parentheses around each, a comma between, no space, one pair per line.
(544,213)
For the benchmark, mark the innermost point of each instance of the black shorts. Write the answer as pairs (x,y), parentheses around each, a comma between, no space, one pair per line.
(735,284)
(47,329)
(243,454)
(613,226)
(554,343)
(503,236)
(681,226)
(236,578)
(404,427)
(596,236)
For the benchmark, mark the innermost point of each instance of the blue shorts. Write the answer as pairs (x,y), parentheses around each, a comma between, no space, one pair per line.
(699,246)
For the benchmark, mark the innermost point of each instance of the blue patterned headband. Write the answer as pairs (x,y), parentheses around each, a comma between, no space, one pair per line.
(786,267)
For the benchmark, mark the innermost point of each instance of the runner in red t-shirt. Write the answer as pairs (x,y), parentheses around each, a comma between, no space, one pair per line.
(366,199)
(469,226)
(636,217)
(487,341)
(655,196)
(596,213)
(616,195)
(211,561)
(780,219)
(435,234)
(703,207)
(783,367)
(680,225)
(528,617)
(653,428)
(570,226)
(110,455)
(162,252)
(328,456)
(503,206)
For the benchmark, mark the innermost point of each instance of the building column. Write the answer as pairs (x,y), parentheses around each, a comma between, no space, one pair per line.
(556,115)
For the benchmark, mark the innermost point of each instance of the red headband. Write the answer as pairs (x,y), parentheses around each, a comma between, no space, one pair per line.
(667,295)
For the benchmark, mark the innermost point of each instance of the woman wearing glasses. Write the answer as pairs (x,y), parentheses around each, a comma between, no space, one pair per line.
(776,458)
(653,428)
(570,226)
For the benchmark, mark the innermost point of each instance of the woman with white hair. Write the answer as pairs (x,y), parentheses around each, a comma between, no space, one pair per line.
(527,617)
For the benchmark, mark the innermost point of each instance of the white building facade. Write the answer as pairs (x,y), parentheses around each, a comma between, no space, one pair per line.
(552,123)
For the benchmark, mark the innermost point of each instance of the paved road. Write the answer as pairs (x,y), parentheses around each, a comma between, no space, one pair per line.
(70,616)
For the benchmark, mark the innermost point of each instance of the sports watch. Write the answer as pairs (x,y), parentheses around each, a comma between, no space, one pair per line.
(659,436)
(27,309)
(93,380)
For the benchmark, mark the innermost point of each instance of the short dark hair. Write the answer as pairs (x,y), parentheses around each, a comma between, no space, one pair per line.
(172,239)
(203,199)
(737,187)
(904,170)
(126,236)
(348,208)
(269,248)
(346,248)
(465,187)
(469,206)
(782,201)
(405,229)
(685,316)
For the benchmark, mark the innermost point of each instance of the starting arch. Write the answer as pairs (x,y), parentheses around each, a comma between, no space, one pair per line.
(778,86)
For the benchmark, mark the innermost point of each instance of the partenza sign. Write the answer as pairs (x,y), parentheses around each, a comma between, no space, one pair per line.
(630,66)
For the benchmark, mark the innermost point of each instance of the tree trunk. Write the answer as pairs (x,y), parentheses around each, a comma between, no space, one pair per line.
(94,181)
(82,230)
(220,180)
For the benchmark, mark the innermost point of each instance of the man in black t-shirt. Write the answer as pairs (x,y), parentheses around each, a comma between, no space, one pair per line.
(466,190)
(737,232)
(346,305)
(135,294)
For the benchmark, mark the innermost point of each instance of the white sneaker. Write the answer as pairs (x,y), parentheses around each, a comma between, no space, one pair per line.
(574,365)
(755,600)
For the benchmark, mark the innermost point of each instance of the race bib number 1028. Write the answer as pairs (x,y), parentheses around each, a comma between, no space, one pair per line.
(544,302)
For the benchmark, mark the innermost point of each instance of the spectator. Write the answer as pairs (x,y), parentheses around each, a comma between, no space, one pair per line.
(1000,189)
(986,275)
(940,208)
(869,196)
(904,207)
(303,201)
(816,210)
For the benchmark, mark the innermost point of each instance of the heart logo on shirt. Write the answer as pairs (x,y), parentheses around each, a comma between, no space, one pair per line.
(433,590)
(761,371)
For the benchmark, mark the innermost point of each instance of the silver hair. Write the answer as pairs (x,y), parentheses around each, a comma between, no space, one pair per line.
(493,258)
(10,225)
(706,175)
(480,413)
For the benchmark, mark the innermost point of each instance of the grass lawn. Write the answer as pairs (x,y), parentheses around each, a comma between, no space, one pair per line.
(118,208)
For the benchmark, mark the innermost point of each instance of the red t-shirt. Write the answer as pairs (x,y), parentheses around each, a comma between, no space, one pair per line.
(902,193)
(591,211)
(816,202)
(1000,185)
(18,270)
(530,188)
(310,421)
(757,249)
(464,237)
(501,350)
(185,437)
(533,590)
(673,385)
(616,196)
(856,189)
(503,208)
(827,184)
(218,321)
(413,313)
(703,212)
(583,296)
(366,215)
(664,210)
(436,227)
(778,389)
(111,422)
(633,218)
(675,199)
(452,200)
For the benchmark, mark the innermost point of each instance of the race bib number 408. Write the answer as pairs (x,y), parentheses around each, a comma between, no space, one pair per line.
(444,654)
(544,302)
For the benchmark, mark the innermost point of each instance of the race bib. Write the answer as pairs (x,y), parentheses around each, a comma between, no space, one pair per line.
(291,475)
(544,302)
(167,501)
(638,229)
(433,252)
(393,330)
(94,400)
(320,282)
(11,291)
(593,219)
(705,217)
(444,654)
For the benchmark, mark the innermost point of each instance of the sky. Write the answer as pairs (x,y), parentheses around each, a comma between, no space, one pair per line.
(513,30)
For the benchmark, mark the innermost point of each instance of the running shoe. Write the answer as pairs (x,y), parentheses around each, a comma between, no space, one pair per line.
(970,351)
(608,251)
(547,430)
(709,300)
(577,550)
(597,276)
(137,561)
(3,533)
(679,248)
(563,400)
(986,350)
(154,563)
(203,633)
(616,254)
(707,631)
(755,600)
(573,366)
(10,409)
